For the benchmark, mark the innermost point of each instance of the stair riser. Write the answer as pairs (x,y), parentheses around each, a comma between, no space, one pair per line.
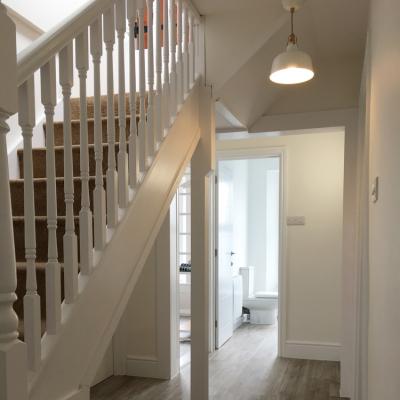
(17,197)
(41,239)
(39,161)
(75,127)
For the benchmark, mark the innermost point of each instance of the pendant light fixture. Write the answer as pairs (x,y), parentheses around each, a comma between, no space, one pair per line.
(293,66)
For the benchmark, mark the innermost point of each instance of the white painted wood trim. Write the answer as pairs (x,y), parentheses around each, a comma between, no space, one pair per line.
(222,109)
(210,189)
(323,351)
(203,162)
(80,394)
(308,120)
(146,367)
(54,40)
(20,20)
(157,190)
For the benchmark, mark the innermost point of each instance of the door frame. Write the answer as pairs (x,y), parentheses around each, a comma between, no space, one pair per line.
(262,152)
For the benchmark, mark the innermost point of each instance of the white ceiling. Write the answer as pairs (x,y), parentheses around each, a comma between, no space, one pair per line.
(242,37)
(212,7)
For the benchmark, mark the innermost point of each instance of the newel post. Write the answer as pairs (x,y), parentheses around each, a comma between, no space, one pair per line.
(13,362)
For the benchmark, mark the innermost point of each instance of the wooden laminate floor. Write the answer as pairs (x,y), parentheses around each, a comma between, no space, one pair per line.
(245,368)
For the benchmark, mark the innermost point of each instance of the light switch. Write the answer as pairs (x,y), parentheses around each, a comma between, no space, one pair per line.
(295,220)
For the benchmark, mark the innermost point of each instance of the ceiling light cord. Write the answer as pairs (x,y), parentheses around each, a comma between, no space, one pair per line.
(292,37)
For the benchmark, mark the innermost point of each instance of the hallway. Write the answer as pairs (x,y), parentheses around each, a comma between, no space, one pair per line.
(246,368)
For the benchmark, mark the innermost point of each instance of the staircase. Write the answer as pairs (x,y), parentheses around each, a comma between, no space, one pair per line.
(78,225)
(40,196)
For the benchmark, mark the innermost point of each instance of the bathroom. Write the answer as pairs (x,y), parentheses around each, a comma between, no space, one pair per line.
(247,273)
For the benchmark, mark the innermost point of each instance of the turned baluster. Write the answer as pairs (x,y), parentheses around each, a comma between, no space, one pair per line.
(70,239)
(112,178)
(166,88)
(142,92)
(99,195)
(48,81)
(185,50)
(120,11)
(32,320)
(133,147)
(150,83)
(196,48)
(12,351)
(191,51)
(172,46)
(85,214)
(180,71)
(158,121)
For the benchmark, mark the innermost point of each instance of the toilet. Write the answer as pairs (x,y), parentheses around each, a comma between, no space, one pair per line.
(263,306)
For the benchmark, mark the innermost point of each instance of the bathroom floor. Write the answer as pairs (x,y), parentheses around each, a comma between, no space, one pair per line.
(245,368)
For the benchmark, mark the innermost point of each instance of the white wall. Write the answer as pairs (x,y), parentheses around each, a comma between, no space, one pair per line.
(313,262)
(249,215)
(147,341)
(257,218)
(384,252)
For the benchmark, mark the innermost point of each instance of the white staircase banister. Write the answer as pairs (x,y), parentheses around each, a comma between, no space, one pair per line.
(165,79)
(52,42)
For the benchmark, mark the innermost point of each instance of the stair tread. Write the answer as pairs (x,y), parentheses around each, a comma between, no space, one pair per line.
(41,217)
(90,119)
(60,148)
(58,179)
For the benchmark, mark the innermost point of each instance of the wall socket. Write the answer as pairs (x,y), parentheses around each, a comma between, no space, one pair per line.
(295,220)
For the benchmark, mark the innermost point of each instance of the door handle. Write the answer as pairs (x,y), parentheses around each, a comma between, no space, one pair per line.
(232,253)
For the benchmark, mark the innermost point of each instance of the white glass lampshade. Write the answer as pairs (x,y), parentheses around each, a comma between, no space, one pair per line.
(291,67)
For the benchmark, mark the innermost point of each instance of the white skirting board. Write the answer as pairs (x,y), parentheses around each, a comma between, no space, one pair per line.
(145,368)
(312,350)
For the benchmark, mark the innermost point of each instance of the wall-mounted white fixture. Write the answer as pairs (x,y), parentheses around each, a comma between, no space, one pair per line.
(292,66)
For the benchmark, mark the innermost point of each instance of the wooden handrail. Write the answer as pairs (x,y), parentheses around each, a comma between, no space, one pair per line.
(50,43)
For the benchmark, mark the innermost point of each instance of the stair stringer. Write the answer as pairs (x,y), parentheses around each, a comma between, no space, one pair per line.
(70,358)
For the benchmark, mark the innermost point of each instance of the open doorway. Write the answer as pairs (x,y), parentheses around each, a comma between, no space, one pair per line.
(184,267)
(249,208)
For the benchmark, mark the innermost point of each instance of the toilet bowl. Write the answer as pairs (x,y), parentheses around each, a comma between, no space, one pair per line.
(263,306)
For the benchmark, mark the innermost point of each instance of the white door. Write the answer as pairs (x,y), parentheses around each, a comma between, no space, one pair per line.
(224,281)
